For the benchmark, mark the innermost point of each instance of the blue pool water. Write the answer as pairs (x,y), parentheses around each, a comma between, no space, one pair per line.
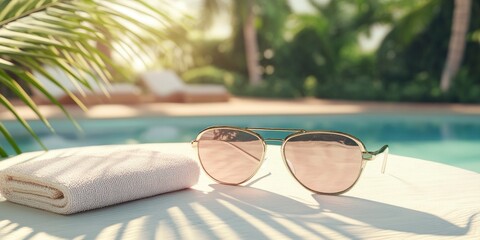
(453,140)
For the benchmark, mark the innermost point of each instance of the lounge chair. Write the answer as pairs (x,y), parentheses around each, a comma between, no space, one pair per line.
(119,93)
(167,86)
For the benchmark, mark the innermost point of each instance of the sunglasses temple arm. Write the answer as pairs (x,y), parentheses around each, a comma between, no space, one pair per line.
(383,150)
(372,155)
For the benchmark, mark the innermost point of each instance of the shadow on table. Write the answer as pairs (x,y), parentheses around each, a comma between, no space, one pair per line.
(390,217)
(227,211)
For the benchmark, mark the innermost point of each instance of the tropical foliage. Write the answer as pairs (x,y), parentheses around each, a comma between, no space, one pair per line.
(318,53)
(64,34)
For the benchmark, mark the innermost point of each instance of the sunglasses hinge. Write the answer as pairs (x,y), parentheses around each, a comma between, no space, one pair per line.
(367,156)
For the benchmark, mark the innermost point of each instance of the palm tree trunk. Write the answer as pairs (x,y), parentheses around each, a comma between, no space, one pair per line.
(456,47)
(251,45)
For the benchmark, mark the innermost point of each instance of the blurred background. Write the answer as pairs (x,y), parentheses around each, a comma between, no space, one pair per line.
(393,50)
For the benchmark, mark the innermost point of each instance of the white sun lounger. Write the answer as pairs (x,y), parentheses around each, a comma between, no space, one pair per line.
(167,86)
(120,93)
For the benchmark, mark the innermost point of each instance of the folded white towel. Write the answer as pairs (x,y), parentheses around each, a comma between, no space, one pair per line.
(78,179)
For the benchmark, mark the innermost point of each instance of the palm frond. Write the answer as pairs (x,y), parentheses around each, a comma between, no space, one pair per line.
(62,34)
(11,141)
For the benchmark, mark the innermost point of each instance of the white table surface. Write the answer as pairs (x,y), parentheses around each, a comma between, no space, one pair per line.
(414,199)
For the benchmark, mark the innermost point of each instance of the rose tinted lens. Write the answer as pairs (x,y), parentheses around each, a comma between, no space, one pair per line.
(324,162)
(230,156)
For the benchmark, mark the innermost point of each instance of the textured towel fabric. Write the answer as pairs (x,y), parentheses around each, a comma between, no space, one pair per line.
(78,179)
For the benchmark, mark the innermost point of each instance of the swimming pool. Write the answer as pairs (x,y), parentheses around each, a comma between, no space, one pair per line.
(450,139)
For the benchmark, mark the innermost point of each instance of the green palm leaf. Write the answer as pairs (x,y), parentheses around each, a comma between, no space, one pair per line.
(10,140)
(60,33)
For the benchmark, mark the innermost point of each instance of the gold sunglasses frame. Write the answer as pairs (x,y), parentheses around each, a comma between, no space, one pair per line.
(366,155)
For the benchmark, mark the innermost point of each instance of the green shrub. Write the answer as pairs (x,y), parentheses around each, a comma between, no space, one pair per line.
(269,88)
(465,88)
(208,74)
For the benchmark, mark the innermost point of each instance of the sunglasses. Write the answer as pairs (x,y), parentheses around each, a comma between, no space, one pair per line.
(325,162)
